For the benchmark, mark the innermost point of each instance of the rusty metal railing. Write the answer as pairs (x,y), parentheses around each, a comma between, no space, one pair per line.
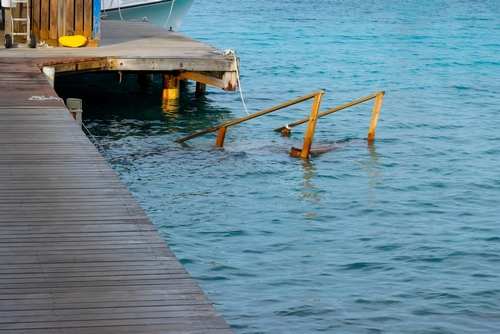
(312,120)
(304,153)
(223,127)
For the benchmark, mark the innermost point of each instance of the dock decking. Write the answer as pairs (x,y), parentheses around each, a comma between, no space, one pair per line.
(77,253)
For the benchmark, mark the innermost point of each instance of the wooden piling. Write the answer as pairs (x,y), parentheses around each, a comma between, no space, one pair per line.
(200,88)
(170,87)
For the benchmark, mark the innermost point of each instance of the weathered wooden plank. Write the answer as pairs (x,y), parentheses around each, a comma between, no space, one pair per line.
(154,298)
(87,296)
(35,17)
(202,308)
(87,18)
(176,324)
(79,10)
(70,15)
(53,12)
(98,266)
(157,329)
(176,280)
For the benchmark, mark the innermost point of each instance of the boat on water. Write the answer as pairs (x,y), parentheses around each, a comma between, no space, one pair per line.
(164,13)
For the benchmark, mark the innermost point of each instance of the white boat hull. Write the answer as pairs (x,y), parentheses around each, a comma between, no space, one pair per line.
(160,13)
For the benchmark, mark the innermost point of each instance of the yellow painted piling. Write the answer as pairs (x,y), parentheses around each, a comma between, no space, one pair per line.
(170,87)
(170,93)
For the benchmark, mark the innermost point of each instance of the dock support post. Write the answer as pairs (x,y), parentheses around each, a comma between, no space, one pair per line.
(170,87)
(50,74)
(200,88)
(375,113)
(75,108)
(170,93)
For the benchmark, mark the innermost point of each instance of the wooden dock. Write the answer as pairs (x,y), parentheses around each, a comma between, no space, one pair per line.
(139,47)
(77,253)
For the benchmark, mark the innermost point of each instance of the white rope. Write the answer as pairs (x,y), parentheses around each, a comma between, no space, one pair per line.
(120,10)
(94,139)
(43,98)
(40,44)
(169,14)
(229,52)
(144,19)
(105,16)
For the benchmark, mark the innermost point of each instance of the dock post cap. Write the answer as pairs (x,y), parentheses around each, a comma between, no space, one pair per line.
(74,106)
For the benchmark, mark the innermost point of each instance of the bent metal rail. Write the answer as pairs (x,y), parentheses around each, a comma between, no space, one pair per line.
(223,127)
(304,153)
(312,120)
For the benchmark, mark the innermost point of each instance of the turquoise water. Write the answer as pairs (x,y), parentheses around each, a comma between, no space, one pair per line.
(402,236)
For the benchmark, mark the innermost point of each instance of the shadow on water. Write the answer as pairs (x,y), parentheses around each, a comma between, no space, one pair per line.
(119,106)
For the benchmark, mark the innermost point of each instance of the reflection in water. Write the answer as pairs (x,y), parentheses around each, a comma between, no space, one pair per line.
(374,172)
(309,174)
(170,107)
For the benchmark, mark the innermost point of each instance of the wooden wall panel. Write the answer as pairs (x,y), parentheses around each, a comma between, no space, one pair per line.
(44,19)
(78,17)
(35,18)
(87,18)
(52,19)
(70,15)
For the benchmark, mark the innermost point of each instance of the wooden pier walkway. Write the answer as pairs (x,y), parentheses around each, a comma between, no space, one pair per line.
(77,253)
(139,47)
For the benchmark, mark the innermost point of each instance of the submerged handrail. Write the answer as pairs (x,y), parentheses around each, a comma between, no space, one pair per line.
(304,153)
(223,127)
(312,120)
(331,111)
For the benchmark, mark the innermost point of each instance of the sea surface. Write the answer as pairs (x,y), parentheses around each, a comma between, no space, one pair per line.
(400,236)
